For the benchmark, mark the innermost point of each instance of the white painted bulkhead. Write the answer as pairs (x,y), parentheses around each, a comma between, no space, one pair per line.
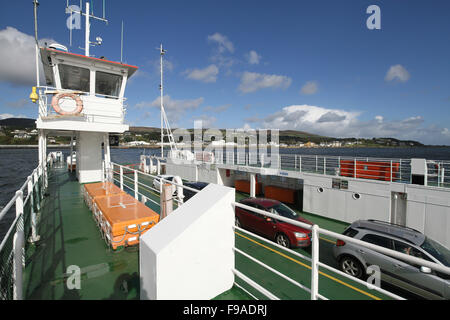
(89,156)
(186,171)
(177,260)
(427,208)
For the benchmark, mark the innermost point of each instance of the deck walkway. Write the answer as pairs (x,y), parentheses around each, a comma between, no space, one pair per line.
(69,236)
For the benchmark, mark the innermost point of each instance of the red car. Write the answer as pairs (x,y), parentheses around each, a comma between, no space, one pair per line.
(283,233)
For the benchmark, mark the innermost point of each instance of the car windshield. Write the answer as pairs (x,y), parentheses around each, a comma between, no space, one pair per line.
(437,250)
(284,211)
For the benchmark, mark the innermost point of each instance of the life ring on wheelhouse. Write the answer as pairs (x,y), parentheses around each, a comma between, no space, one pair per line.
(57,108)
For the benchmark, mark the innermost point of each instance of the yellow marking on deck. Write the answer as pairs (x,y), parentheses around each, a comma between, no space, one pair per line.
(328,240)
(298,262)
(306,266)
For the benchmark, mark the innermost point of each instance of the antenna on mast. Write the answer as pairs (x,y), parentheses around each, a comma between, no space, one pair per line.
(88,15)
(121,45)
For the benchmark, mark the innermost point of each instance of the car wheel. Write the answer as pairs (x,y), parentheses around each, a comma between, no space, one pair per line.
(351,266)
(237,222)
(282,240)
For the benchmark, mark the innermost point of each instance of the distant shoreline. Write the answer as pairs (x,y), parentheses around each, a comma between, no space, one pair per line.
(66,146)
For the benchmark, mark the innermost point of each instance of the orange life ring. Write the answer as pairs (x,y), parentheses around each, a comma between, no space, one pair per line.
(57,108)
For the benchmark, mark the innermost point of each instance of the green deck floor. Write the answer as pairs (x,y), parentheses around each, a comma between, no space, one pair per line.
(69,236)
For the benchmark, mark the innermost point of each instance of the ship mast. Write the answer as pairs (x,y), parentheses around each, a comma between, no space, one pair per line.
(88,15)
(164,120)
(36,3)
(87,43)
(162,51)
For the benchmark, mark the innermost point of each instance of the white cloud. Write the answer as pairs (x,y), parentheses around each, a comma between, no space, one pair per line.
(168,65)
(6,116)
(208,74)
(310,87)
(9,115)
(342,123)
(207,121)
(224,44)
(218,109)
(17,57)
(397,73)
(253,57)
(175,109)
(251,81)
(223,48)
(19,103)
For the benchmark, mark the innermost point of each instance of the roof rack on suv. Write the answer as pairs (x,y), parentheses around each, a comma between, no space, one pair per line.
(393,224)
(394,230)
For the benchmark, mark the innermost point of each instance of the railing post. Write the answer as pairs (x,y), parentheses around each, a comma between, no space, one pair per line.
(300,164)
(18,247)
(166,203)
(324,165)
(135,184)
(316,166)
(339,165)
(103,171)
(34,236)
(354,168)
(121,177)
(35,187)
(314,262)
(391,170)
(295,162)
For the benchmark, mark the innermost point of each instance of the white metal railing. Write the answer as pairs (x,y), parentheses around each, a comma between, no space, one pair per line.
(27,203)
(133,184)
(89,114)
(381,169)
(438,173)
(316,231)
(16,237)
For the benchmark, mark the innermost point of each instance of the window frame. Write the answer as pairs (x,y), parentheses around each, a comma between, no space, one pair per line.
(59,71)
(112,73)
(381,237)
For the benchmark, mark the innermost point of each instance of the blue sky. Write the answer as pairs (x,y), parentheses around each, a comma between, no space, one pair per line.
(304,65)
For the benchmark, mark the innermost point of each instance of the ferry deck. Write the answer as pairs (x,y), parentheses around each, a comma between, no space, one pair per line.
(69,236)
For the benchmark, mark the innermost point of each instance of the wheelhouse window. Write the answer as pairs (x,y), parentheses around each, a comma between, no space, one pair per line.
(107,84)
(74,78)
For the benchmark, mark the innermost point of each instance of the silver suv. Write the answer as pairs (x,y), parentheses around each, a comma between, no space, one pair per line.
(419,280)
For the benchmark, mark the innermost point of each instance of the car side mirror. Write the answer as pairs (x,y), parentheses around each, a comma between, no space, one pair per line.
(425,270)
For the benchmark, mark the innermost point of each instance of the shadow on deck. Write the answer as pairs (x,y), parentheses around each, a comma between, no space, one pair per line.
(69,237)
